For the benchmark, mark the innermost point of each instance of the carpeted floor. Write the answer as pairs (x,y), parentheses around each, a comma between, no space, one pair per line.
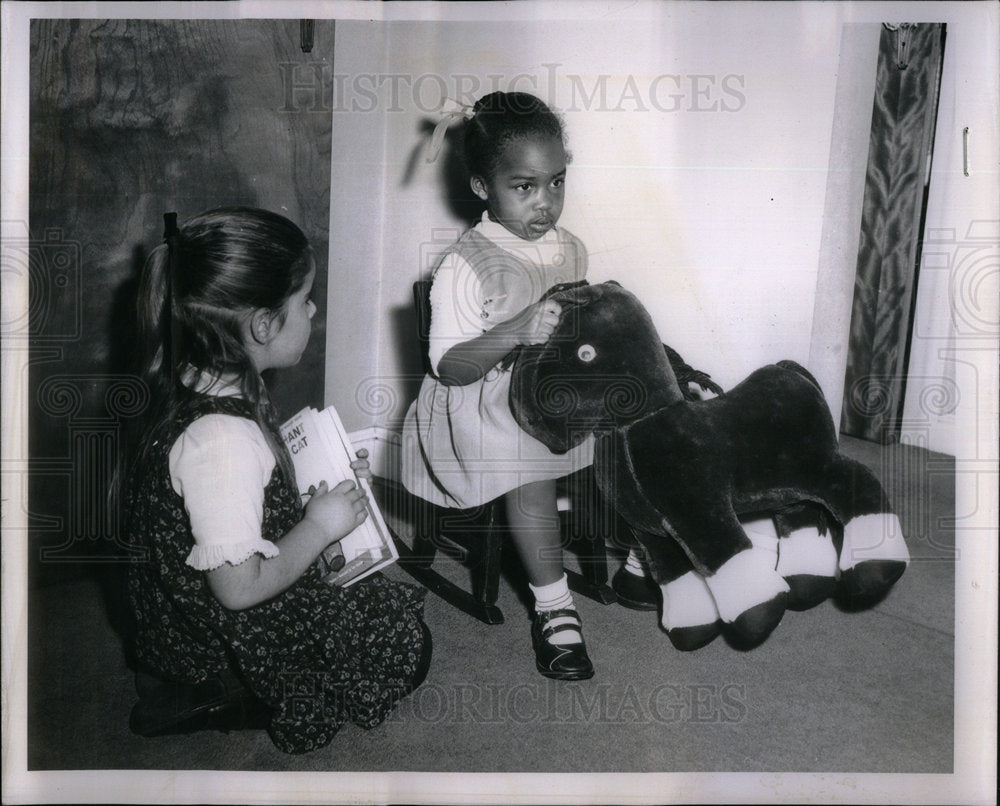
(829,691)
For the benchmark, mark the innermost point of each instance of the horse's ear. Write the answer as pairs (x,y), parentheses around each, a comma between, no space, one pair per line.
(562,288)
(570,295)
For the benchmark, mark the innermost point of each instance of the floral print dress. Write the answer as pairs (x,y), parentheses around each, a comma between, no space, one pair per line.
(319,656)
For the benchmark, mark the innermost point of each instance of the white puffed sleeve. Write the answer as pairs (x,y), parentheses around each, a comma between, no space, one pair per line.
(456,307)
(220,465)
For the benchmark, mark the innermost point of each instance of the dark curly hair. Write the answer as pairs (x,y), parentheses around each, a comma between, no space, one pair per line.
(499,118)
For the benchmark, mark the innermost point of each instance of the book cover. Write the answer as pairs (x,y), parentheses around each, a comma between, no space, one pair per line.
(321,451)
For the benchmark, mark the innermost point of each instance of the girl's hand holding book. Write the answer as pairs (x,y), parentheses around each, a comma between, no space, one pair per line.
(337,512)
(361,467)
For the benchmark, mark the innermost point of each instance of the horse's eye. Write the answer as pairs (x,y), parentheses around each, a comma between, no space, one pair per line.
(586,353)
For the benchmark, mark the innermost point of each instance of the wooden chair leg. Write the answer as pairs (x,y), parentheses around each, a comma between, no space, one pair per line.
(424,527)
(592,588)
(486,566)
(478,608)
(590,523)
(479,541)
(593,557)
(484,562)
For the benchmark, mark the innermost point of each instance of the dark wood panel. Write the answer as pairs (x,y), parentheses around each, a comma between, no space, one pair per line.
(130,119)
(903,121)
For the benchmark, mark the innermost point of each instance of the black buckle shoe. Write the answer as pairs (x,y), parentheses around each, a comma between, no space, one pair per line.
(560,661)
(178,708)
(635,592)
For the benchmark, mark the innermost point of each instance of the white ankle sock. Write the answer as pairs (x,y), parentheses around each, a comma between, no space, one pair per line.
(556,596)
(633,563)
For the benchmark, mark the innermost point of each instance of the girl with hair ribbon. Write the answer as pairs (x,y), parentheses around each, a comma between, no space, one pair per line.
(462,445)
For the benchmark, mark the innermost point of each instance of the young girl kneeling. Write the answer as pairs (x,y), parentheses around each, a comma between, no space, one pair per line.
(230,583)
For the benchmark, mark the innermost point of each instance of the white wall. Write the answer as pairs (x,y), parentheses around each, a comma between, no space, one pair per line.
(842,213)
(355,319)
(955,312)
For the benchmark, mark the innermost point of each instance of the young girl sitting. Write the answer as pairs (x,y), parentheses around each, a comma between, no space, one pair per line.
(230,586)
(484,303)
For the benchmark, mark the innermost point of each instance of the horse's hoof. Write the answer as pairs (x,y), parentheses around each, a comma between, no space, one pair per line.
(752,626)
(868,582)
(808,590)
(687,639)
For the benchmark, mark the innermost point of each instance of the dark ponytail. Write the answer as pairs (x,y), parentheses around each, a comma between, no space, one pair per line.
(157,339)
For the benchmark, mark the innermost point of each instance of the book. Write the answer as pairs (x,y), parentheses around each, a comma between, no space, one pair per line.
(322,451)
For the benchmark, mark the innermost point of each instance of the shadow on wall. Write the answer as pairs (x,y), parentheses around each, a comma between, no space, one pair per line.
(403,330)
(454,178)
(465,206)
(73,519)
(123,330)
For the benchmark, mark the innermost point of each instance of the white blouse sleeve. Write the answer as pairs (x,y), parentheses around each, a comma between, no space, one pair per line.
(456,307)
(220,465)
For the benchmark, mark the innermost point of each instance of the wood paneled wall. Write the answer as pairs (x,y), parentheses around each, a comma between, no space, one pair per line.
(902,140)
(131,119)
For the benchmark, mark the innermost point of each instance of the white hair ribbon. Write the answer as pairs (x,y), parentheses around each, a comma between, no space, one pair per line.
(451,112)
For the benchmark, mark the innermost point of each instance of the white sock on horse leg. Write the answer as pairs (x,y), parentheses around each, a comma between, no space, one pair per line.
(806,551)
(763,534)
(744,581)
(873,537)
(687,602)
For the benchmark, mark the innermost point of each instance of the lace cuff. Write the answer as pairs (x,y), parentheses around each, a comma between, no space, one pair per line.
(211,556)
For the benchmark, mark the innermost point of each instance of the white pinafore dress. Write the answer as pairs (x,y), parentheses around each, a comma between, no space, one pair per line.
(461,445)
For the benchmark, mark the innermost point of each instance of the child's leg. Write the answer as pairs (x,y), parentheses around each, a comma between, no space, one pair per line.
(534,526)
(556,632)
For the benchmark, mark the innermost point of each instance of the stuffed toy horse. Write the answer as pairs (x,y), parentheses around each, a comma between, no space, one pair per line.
(709,486)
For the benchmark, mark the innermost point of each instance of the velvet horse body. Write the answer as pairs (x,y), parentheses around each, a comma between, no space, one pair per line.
(690,475)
